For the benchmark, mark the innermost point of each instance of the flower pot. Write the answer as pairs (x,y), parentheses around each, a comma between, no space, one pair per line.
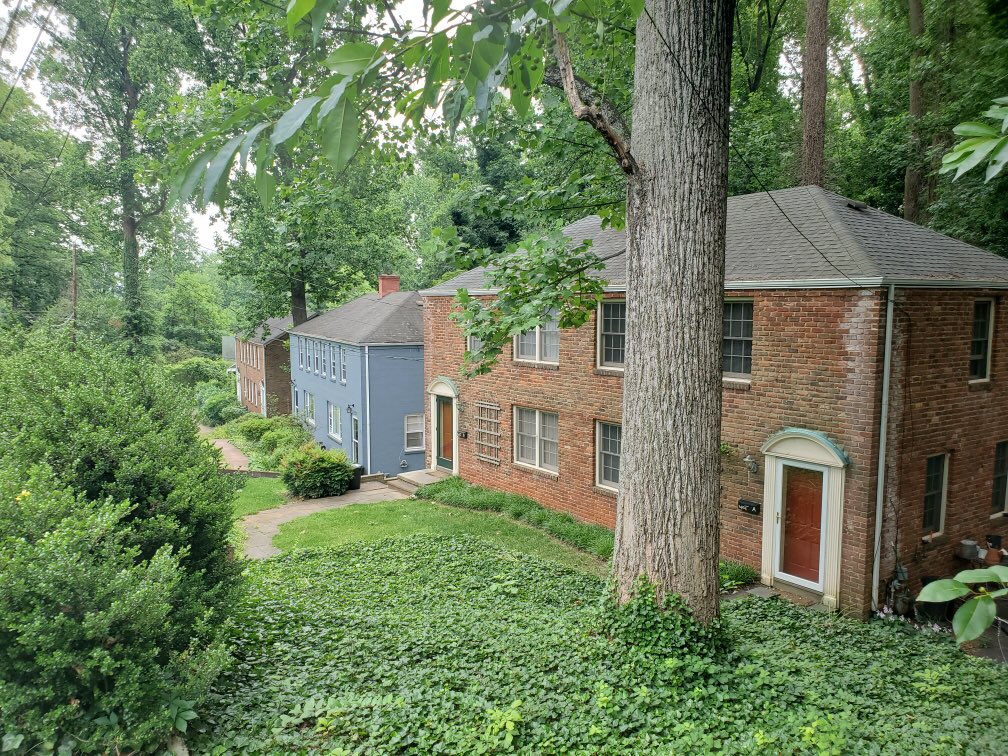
(355,481)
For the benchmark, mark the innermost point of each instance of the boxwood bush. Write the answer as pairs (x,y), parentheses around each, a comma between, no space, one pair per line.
(312,472)
(91,654)
(111,428)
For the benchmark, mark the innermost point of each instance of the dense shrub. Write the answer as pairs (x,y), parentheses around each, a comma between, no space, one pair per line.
(312,472)
(267,440)
(196,370)
(110,427)
(216,405)
(450,645)
(91,653)
(736,575)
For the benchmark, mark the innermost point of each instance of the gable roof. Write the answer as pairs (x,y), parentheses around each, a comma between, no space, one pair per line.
(857,246)
(271,330)
(396,318)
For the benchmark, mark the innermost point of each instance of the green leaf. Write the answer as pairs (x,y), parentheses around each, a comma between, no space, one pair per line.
(335,95)
(11,741)
(1001,571)
(319,14)
(980,151)
(439,9)
(340,134)
(636,8)
(351,58)
(974,129)
(296,10)
(248,141)
(218,169)
(978,576)
(454,104)
(943,590)
(289,123)
(998,160)
(192,176)
(973,618)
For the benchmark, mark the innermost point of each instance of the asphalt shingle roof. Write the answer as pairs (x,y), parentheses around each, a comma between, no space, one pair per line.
(272,329)
(396,318)
(857,245)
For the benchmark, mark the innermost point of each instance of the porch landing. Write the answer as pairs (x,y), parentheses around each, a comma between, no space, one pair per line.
(409,482)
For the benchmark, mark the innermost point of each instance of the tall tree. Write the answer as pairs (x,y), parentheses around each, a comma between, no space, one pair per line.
(676,173)
(914,176)
(117,60)
(813,98)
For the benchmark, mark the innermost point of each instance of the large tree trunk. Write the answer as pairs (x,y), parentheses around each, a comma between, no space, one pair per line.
(299,298)
(667,522)
(129,201)
(914,176)
(813,100)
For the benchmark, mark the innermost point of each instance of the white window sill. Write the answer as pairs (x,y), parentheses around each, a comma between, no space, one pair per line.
(933,537)
(536,363)
(974,381)
(414,450)
(337,439)
(733,380)
(540,470)
(610,369)
(998,515)
(606,489)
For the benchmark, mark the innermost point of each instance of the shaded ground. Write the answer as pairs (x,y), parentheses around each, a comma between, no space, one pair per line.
(411,517)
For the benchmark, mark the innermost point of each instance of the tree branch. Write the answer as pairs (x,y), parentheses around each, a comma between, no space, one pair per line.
(593,115)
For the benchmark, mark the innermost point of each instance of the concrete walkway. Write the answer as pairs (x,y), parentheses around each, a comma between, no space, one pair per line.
(262,526)
(234,458)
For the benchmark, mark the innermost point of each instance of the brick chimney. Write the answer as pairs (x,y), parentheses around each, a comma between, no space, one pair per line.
(387,285)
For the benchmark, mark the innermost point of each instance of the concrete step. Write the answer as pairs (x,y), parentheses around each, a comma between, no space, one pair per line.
(409,482)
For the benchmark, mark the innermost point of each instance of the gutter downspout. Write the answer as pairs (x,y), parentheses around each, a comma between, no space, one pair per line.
(367,405)
(883,431)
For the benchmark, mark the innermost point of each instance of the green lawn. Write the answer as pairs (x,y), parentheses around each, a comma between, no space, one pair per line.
(372,522)
(435,644)
(259,494)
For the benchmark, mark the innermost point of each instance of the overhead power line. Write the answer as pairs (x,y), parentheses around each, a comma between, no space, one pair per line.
(28,57)
(724,131)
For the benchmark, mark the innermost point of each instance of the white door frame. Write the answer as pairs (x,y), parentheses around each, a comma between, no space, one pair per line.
(443,387)
(813,450)
(778,547)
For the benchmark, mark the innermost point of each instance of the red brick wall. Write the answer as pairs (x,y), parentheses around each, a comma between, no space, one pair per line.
(816,360)
(935,409)
(271,362)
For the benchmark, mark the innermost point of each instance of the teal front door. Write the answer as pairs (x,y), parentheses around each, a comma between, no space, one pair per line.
(445,420)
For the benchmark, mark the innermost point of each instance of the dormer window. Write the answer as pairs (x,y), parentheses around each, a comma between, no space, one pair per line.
(980,343)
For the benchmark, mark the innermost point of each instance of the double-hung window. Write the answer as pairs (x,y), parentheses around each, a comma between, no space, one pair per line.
(414,432)
(333,350)
(297,400)
(999,499)
(325,357)
(935,494)
(612,334)
(736,338)
(537,439)
(309,408)
(335,422)
(342,364)
(301,352)
(608,443)
(980,343)
(318,357)
(474,345)
(541,344)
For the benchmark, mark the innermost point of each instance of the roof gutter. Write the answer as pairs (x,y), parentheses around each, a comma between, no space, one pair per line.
(883,432)
(811,283)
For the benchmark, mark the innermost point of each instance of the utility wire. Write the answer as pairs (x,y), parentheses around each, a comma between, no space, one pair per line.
(28,57)
(724,130)
(10,26)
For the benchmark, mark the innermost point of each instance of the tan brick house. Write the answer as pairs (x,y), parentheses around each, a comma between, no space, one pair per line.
(263,369)
(885,341)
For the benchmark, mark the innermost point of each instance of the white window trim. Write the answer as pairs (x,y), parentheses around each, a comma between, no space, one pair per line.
(990,339)
(325,357)
(343,367)
(422,431)
(301,352)
(598,337)
(309,408)
(539,344)
(514,442)
(944,497)
(336,435)
(598,456)
(1004,504)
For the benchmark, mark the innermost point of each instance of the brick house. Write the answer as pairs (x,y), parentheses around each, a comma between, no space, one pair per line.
(263,369)
(885,343)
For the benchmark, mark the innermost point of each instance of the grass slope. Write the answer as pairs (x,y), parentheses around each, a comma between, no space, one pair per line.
(258,494)
(446,645)
(373,522)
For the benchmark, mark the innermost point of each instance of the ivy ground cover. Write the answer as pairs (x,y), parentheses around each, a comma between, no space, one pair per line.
(437,644)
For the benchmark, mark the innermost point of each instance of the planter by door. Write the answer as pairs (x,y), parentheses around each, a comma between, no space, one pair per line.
(445,433)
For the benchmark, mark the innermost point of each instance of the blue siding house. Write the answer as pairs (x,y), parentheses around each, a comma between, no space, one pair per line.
(357,378)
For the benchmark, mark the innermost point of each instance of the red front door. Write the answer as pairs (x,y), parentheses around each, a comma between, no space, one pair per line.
(802,527)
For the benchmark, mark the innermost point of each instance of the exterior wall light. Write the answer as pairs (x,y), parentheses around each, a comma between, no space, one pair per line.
(750,463)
